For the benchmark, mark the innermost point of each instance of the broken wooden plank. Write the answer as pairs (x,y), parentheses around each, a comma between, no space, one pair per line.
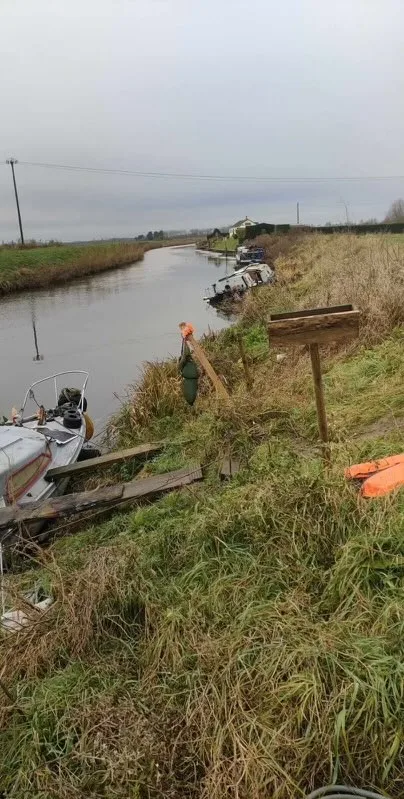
(315,329)
(229,467)
(59,506)
(244,361)
(102,497)
(225,468)
(73,469)
(234,465)
(276,317)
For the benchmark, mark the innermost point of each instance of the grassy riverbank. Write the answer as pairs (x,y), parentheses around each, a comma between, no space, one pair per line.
(226,244)
(39,267)
(243,639)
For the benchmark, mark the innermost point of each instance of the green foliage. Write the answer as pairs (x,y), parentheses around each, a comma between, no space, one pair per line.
(373,377)
(230,244)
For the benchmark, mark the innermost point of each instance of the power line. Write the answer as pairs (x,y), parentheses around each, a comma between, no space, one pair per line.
(220,178)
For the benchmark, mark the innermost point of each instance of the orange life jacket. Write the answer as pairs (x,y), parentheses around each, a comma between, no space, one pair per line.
(379,477)
(383,482)
(362,470)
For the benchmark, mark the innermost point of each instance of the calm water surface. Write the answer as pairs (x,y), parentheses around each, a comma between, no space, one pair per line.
(107,324)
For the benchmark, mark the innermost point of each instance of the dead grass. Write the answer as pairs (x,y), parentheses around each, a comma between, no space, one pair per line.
(367,271)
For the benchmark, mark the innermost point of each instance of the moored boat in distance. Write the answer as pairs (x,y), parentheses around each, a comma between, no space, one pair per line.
(246,255)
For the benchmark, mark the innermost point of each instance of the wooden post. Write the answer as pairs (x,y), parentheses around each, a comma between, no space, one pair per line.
(187,331)
(313,327)
(319,392)
(247,373)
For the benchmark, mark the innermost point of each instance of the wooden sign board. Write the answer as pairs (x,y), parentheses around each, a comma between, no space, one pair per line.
(321,326)
(313,327)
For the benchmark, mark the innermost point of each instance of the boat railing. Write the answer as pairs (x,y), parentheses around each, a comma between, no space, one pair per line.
(30,394)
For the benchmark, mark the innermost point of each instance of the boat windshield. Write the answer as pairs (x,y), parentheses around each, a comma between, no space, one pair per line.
(46,391)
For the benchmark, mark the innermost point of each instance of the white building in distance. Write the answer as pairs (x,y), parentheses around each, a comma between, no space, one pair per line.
(241,224)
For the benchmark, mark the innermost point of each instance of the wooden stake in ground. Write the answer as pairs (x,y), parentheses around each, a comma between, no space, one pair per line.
(319,392)
(187,331)
(313,327)
(243,356)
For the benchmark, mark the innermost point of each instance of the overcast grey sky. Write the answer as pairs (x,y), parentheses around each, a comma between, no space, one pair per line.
(298,88)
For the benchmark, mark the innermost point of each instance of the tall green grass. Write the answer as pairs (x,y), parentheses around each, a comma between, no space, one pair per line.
(43,266)
(240,640)
(37,267)
(245,642)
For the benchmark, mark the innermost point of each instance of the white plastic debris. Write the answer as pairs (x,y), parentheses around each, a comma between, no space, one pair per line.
(280,357)
(15,620)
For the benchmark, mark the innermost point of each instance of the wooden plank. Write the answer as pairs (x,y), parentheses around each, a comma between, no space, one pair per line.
(234,465)
(59,506)
(276,317)
(229,467)
(207,366)
(314,329)
(107,497)
(201,356)
(73,469)
(151,486)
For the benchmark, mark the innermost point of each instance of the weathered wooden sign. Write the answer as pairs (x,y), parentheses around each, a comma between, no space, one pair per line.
(313,327)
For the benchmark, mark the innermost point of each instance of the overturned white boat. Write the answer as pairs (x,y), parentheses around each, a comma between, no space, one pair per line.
(33,443)
(233,287)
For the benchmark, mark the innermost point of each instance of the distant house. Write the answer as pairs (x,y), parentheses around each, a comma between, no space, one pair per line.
(241,224)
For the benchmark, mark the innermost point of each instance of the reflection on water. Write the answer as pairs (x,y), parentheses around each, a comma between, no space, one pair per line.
(37,356)
(107,324)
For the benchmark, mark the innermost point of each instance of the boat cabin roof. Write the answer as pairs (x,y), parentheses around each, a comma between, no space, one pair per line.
(241,272)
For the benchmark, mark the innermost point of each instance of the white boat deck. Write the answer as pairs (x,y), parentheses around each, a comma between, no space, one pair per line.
(62,454)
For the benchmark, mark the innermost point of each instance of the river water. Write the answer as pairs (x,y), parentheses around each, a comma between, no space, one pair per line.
(108,324)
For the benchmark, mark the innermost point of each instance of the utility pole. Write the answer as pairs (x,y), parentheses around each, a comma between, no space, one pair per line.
(13,161)
(297,214)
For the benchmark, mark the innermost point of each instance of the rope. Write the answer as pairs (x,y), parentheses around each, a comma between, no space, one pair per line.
(343,792)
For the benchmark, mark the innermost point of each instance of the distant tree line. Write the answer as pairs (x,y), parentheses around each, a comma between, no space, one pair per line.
(155,235)
(395,212)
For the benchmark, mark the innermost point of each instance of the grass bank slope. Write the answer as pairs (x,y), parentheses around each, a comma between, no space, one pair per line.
(243,639)
(42,266)
(38,267)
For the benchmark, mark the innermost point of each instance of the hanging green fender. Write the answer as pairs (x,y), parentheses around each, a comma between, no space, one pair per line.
(189,373)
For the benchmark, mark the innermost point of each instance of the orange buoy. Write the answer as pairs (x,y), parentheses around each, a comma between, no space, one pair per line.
(89,427)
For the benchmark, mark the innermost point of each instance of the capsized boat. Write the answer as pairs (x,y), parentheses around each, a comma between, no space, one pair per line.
(231,288)
(32,443)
